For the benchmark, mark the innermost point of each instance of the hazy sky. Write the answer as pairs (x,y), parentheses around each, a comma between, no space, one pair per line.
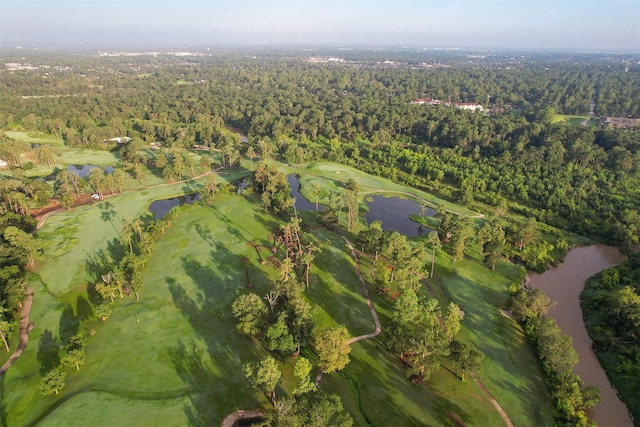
(526,24)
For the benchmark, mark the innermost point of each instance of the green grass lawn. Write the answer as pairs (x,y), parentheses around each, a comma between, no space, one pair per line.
(572,120)
(175,358)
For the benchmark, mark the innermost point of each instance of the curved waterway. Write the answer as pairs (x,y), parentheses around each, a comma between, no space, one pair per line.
(563,284)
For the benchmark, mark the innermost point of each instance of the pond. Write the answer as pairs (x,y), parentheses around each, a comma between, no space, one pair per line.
(160,208)
(83,170)
(563,284)
(394,214)
(302,204)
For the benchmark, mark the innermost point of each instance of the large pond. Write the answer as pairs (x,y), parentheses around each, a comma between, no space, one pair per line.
(160,208)
(394,214)
(83,170)
(563,284)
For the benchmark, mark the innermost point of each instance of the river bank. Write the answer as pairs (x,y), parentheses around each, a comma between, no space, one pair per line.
(563,284)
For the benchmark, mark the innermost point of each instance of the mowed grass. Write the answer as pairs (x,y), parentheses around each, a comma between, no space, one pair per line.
(572,120)
(177,347)
(176,352)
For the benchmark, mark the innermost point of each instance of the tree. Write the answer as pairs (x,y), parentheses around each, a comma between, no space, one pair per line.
(210,189)
(278,337)
(301,372)
(307,258)
(371,240)
(451,320)
(96,180)
(127,231)
(434,240)
(264,376)
(129,268)
(529,304)
(250,311)
(461,233)
(24,242)
(108,286)
(315,190)
(464,358)
(74,357)
(5,329)
(332,347)
(406,309)
(52,382)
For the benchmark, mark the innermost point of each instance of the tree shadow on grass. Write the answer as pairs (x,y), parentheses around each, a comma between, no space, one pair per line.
(48,352)
(215,394)
(193,371)
(3,405)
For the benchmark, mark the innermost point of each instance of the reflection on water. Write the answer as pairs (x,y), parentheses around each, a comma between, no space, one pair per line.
(394,214)
(160,208)
(563,284)
(302,204)
(83,170)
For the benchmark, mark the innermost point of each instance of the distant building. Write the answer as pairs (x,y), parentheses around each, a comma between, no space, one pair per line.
(459,105)
(3,164)
(427,101)
(621,122)
(468,106)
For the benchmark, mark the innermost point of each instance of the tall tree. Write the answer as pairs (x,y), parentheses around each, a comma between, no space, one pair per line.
(53,382)
(331,345)
(433,239)
(250,311)
(264,376)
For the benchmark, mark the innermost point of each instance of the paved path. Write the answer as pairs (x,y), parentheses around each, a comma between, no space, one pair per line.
(366,294)
(493,401)
(24,331)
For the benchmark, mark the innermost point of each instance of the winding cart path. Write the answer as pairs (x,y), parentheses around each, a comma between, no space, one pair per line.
(374,314)
(23,333)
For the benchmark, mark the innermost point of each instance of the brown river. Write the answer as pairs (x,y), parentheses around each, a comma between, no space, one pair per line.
(563,284)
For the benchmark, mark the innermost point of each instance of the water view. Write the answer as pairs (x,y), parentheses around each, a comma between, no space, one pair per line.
(160,208)
(394,214)
(563,284)
(83,170)
(302,204)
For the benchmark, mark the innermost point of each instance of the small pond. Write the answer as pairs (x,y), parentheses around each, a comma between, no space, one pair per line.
(83,170)
(160,208)
(394,214)
(302,204)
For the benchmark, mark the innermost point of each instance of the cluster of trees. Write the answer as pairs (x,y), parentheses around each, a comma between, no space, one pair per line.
(557,357)
(420,334)
(306,406)
(282,322)
(19,248)
(73,355)
(611,306)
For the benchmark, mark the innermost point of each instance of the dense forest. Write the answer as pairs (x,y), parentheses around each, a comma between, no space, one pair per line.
(358,111)
(611,307)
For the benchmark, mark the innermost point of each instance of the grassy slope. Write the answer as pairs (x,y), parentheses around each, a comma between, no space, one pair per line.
(144,357)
